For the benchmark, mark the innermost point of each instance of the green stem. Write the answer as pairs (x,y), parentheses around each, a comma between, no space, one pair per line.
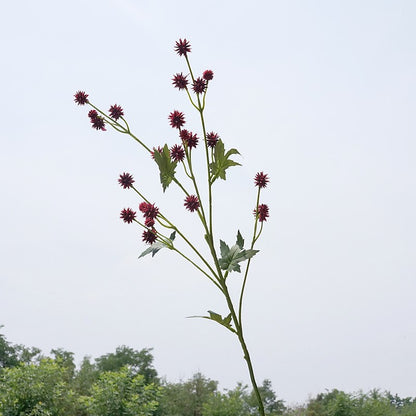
(254,239)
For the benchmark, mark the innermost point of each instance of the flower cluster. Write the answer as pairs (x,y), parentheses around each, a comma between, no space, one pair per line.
(150,212)
(189,139)
(180,81)
(97,121)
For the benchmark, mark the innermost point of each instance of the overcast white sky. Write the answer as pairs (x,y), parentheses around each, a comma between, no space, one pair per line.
(320,95)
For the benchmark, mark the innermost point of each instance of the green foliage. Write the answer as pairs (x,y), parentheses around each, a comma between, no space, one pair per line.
(12,355)
(221,161)
(231,403)
(186,398)
(138,362)
(166,166)
(230,258)
(122,393)
(36,389)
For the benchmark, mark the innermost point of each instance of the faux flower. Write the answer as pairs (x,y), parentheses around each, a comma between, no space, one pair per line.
(177,153)
(182,47)
(199,85)
(212,139)
(149,210)
(116,112)
(261,179)
(127,215)
(149,236)
(126,180)
(262,212)
(191,203)
(177,119)
(98,123)
(208,75)
(180,81)
(81,97)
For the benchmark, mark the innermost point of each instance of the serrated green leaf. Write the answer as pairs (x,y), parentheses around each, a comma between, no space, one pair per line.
(231,257)
(155,247)
(224,249)
(166,166)
(222,161)
(240,240)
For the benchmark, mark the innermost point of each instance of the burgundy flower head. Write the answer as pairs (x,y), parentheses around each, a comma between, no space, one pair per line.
(81,97)
(262,212)
(261,179)
(208,75)
(126,180)
(149,210)
(177,153)
(116,112)
(182,47)
(98,123)
(192,140)
(177,119)
(180,81)
(199,85)
(149,222)
(191,203)
(149,236)
(92,114)
(212,139)
(127,215)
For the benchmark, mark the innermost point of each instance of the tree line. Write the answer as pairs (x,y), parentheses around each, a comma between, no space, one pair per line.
(125,383)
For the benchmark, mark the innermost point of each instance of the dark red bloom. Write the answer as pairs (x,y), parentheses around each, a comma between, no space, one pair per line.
(182,47)
(149,222)
(180,81)
(212,139)
(92,114)
(116,112)
(177,119)
(81,98)
(159,149)
(208,75)
(177,153)
(149,236)
(191,203)
(98,123)
(192,140)
(261,179)
(128,215)
(262,212)
(188,138)
(149,210)
(199,85)
(126,180)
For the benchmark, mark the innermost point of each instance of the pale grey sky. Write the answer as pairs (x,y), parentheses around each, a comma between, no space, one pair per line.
(320,95)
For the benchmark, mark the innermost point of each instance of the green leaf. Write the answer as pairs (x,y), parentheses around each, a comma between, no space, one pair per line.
(231,257)
(155,247)
(213,316)
(222,161)
(166,166)
(240,240)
